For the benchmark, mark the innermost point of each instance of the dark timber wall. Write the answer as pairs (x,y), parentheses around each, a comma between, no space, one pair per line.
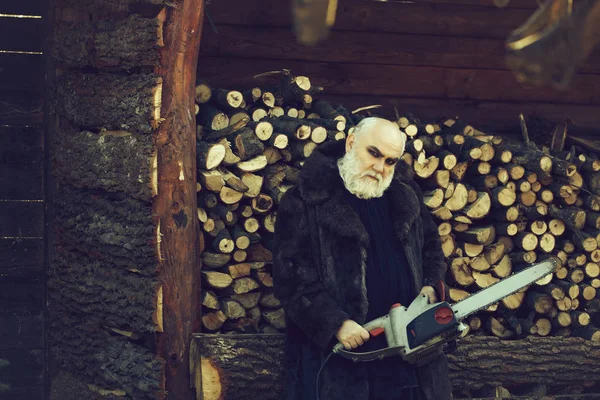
(429,57)
(22,201)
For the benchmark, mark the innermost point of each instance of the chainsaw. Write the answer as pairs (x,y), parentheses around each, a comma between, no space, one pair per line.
(421,330)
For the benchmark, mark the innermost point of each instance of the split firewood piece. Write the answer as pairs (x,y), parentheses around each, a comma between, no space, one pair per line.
(244,285)
(232,309)
(457,295)
(480,235)
(252,165)
(230,196)
(212,119)
(215,260)
(434,198)
(270,301)
(213,321)
(211,180)
(210,299)
(275,318)
(247,300)
(503,268)
(459,197)
(461,272)
(234,126)
(480,208)
(253,182)
(426,169)
(209,155)
(217,280)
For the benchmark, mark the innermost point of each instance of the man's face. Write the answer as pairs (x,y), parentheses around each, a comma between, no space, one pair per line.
(369,163)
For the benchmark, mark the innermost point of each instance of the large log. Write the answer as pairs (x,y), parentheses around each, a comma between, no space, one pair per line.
(116,161)
(103,292)
(111,228)
(115,43)
(228,366)
(97,356)
(92,101)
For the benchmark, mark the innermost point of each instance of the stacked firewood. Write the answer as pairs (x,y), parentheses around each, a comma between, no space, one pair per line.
(499,206)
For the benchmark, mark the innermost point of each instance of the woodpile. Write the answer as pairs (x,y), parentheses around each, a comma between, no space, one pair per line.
(499,206)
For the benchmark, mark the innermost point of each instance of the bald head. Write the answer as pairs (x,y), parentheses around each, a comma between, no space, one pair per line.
(377,129)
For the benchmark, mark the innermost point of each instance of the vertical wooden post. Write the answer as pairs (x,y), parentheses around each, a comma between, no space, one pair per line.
(175,204)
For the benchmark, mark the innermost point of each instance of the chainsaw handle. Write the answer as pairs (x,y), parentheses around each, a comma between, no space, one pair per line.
(375,328)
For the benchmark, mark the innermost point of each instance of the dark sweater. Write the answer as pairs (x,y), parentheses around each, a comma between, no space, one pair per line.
(388,280)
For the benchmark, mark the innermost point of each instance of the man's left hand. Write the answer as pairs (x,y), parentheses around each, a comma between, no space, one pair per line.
(430,292)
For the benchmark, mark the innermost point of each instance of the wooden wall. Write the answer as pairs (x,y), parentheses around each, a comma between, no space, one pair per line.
(22,201)
(432,58)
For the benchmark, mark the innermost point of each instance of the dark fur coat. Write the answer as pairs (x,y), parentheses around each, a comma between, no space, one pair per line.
(319,272)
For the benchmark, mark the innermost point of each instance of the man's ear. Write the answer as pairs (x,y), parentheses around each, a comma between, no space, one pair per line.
(350,142)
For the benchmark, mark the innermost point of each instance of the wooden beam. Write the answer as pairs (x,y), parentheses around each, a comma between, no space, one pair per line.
(478,361)
(417,17)
(175,206)
(353,46)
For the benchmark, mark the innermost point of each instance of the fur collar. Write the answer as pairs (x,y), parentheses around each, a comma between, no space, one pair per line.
(320,183)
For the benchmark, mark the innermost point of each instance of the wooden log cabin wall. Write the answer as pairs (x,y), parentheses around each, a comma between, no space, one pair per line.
(123,295)
(22,201)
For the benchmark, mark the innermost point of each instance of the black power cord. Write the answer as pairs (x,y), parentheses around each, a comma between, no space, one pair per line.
(321,369)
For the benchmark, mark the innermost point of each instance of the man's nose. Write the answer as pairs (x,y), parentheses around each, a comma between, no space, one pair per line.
(378,166)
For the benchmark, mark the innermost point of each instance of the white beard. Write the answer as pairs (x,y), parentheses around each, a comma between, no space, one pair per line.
(357,182)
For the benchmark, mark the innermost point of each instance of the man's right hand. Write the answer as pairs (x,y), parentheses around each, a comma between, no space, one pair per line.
(352,335)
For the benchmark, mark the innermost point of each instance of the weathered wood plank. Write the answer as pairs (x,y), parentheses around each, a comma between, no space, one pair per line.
(21,182)
(408,81)
(123,44)
(418,17)
(20,108)
(21,296)
(21,144)
(110,101)
(363,47)
(25,392)
(21,258)
(21,219)
(113,161)
(29,7)
(25,368)
(22,331)
(22,72)
(21,34)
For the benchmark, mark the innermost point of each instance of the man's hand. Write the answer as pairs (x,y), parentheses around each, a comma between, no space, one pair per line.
(352,335)
(430,292)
